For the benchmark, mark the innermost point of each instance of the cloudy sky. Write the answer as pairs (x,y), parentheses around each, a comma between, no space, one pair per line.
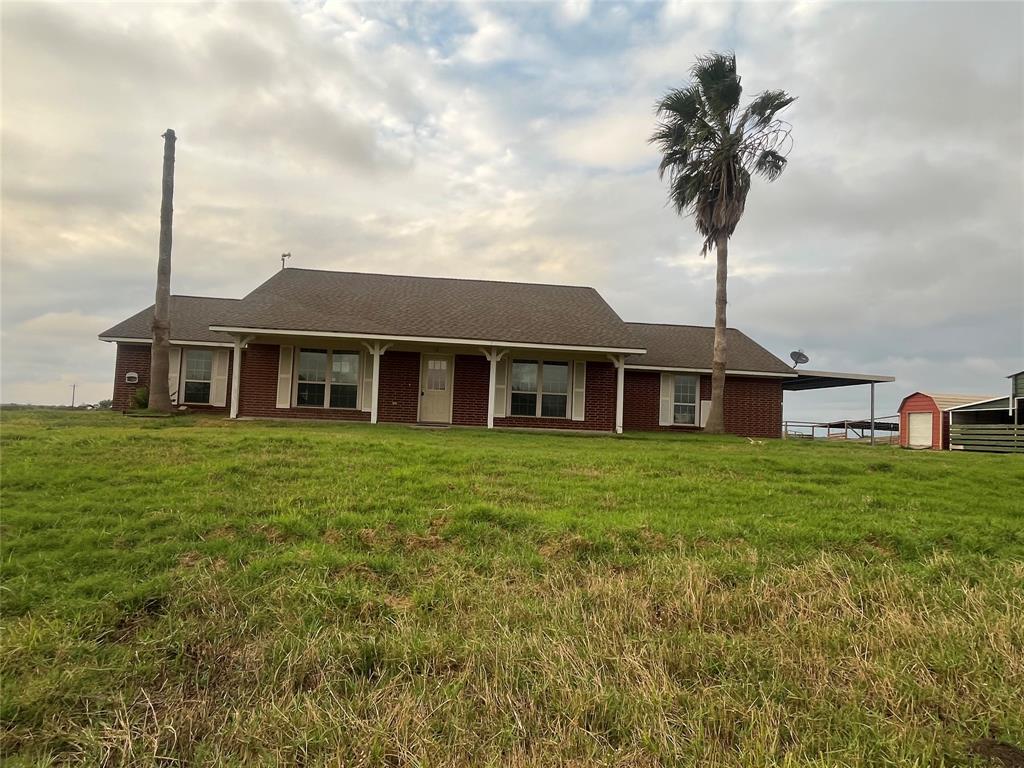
(507,141)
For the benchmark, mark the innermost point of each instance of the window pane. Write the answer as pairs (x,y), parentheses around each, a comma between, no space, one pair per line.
(684,414)
(553,405)
(343,395)
(310,394)
(524,404)
(344,368)
(524,376)
(686,390)
(197,392)
(198,365)
(556,378)
(437,375)
(313,366)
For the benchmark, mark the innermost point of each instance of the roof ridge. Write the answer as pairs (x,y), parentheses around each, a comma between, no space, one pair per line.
(681,325)
(432,277)
(194,296)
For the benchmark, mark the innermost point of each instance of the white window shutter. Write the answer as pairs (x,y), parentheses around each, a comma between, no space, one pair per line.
(219,385)
(579,388)
(174,375)
(500,387)
(668,391)
(284,376)
(705,409)
(366,361)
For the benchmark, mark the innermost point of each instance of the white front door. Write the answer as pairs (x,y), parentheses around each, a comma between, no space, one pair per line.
(436,389)
(919,425)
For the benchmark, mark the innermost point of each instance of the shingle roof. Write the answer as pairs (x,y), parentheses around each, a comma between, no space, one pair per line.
(691,346)
(191,317)
(430,307)
(946,401)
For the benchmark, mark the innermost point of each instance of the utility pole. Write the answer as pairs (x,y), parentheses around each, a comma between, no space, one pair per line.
(160,354)
(73,388)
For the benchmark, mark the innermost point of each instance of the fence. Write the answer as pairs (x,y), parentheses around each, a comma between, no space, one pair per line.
(992,438)
(886,430)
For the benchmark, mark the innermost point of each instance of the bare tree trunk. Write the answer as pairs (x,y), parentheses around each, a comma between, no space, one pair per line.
(716,417)
(159,394)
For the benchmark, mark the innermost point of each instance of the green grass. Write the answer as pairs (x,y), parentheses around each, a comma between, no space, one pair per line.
(223,593)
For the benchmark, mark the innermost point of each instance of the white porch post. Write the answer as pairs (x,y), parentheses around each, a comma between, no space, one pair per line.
(619,361)
(872,413)
(376,350)
(493,356)
(236,373)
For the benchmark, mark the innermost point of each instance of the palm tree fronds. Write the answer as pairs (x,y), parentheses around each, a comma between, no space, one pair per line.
(770,164)
(765,106)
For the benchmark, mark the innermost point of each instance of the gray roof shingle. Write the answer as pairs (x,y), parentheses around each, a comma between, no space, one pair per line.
(430,307)
(190,320)
(691,346)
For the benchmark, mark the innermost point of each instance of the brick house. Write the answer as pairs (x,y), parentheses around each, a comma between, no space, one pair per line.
(387,348)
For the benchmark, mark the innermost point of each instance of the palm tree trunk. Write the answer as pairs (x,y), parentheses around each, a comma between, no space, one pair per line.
(716,417)
(159,393)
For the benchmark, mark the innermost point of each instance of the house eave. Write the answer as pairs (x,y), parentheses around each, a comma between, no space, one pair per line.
(177,342)
(430,340)
(729,372)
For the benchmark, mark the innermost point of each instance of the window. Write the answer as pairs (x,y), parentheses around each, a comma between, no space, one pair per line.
(312,390)
(524,388)
(550,381)
(555,388)
(684,400)
(198,375)
(437,375)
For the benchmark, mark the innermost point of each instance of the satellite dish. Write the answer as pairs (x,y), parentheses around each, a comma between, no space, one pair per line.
(799,357)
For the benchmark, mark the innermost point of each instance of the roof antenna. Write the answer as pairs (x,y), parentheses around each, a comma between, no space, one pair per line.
(283,257)
(799,357)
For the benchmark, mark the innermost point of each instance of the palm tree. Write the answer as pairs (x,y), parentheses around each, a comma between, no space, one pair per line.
(709,150)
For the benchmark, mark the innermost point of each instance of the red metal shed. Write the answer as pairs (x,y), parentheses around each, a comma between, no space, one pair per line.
(924,418)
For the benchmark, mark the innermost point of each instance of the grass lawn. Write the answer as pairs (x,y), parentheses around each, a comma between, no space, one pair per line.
(218,593)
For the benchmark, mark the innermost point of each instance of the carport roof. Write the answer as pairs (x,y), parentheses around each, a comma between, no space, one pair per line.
(807,379)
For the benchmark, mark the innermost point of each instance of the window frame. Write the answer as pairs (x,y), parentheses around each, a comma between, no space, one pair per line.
(328,381)
(539,392)
(185,380)
(695,404)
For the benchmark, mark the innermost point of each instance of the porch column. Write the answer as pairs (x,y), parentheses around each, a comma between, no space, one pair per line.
(376,350)
(493,356)
(236,373)
(619,361)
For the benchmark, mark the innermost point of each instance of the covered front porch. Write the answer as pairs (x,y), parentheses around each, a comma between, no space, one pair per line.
(429,381)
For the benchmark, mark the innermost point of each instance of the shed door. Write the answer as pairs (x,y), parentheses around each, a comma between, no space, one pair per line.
(920,428)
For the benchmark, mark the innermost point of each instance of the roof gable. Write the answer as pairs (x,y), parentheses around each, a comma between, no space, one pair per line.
(692,346)
(190,316)
(430,307)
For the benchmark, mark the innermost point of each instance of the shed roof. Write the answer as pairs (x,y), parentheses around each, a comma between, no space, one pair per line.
(946,402)
(995,404)
(190,321)
(429,307)
(692,346)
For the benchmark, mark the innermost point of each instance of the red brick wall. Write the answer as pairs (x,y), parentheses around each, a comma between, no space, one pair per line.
(398,397)
(130,357)
(469,392)
(753,407)
(919,403)
(136,357)
(258,390)
(599,412)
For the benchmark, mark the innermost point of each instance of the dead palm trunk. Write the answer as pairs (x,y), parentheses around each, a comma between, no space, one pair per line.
(716,416)
(159,390)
